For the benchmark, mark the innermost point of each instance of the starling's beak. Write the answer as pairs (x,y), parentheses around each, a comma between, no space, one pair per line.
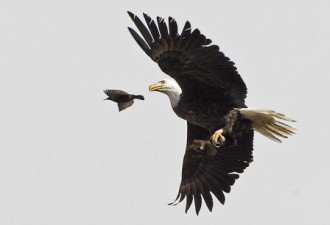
(105,99)
(155,87)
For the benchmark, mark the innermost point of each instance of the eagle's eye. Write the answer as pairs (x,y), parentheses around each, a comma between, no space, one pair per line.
(162,81)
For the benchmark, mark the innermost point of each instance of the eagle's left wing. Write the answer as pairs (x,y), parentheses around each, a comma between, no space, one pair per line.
(199,67)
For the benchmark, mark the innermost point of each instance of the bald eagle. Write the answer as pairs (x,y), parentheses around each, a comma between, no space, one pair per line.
(209,94)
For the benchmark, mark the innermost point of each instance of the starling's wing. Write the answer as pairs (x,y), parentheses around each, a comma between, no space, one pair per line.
(115,93)
(124,105)
(203,173)
(199,67)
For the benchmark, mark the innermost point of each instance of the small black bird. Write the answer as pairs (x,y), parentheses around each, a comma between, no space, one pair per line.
(123,99)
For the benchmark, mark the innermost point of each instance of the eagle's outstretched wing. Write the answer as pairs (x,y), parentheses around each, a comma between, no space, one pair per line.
(199,67)
(204,173)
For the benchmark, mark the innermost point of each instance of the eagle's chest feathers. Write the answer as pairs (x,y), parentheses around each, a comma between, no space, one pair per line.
(198,112)
(193,112)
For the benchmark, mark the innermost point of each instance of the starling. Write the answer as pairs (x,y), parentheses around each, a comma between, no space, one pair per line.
(123,99)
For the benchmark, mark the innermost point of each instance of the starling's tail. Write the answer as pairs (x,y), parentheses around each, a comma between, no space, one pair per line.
(138,97)
(264,122)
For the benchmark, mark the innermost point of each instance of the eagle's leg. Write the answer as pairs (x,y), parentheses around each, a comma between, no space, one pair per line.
(211,150)
(198,144)
(203,145)
(216,136)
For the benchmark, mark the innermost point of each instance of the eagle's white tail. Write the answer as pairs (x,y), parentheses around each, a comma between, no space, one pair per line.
(264,122)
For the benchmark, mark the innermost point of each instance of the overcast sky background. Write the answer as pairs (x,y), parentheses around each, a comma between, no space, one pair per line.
(67,157)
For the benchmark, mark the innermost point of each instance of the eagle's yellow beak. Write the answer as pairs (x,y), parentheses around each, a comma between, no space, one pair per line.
(156,86)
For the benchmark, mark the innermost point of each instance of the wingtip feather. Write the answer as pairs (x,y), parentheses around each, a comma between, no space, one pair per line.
(131,15)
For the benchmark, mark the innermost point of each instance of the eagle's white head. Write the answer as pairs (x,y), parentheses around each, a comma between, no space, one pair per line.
(169,87)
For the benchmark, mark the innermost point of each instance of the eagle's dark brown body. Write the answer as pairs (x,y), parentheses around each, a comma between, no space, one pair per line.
(198,113)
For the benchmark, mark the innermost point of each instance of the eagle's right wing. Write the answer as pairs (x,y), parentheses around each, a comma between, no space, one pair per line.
(205,171)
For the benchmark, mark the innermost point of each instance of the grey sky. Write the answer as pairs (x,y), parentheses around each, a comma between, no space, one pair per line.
(67,157)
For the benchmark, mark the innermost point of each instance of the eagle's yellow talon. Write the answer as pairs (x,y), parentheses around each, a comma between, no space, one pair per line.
(217,134)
